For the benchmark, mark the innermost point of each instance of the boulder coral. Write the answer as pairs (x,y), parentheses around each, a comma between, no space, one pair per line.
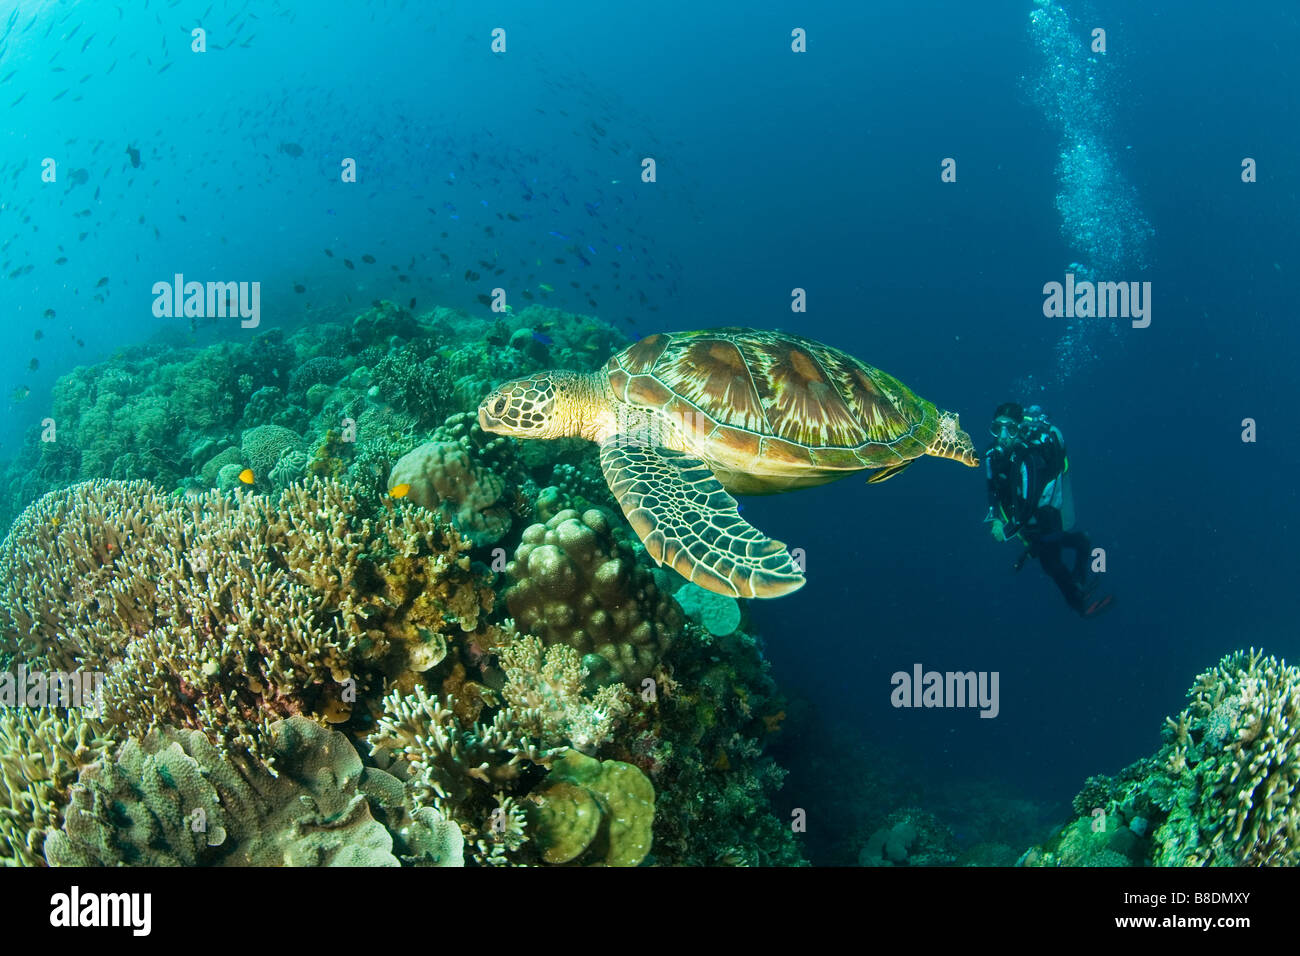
(444,479)
(577,584)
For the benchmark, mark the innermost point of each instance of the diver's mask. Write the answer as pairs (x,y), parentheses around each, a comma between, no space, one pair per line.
(1005,430)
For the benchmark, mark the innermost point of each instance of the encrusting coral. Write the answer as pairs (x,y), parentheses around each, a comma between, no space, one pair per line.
(173,800)
(579,585)
(222,615)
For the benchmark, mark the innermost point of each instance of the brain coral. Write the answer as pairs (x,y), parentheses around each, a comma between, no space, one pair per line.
(173,800)
(576,584)
(263,446)
(444,478)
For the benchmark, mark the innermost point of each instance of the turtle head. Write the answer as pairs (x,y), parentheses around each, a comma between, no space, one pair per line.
(545,405)
(951,442)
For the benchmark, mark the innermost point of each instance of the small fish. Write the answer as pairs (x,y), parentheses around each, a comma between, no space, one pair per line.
(299,287)
(246,476)
(400,491)
(543,339)
(21,392)
(102,282)
(81,344)
(39,335)
(545,288)
(62,260)
(48,314)
(348,263)
(329,253)
(291,149)
(485,299)
(368,259)
(34,365)
(412,305)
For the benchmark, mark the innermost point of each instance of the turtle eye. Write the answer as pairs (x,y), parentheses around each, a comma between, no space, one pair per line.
(499,407)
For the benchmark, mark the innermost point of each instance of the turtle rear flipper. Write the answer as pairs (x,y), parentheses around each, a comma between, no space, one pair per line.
(884,474)
(686,520)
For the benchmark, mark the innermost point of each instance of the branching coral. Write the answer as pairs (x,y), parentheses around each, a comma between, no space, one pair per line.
(174,800)
(222,615)
(577,584)
(41,752)
(1224,790)
(462,770)
(544,686)
(1244,806)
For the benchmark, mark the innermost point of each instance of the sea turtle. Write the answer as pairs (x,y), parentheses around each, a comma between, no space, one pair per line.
(683,418)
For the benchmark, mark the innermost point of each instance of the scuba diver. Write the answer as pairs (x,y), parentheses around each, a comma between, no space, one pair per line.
(1029,498)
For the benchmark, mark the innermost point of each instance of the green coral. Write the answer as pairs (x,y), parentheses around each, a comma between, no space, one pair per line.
(594,811)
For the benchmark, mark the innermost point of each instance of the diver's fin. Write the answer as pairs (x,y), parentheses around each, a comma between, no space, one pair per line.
(1099,606)
(884,474)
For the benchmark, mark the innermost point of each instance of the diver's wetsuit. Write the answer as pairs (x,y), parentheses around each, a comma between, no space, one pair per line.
(1025,484)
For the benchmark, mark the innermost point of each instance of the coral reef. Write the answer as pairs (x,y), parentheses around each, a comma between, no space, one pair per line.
(545,688)
(173,800)
(443,479)
(1221,791)
(264,446)
(42,750)
(223,615)
(577,584)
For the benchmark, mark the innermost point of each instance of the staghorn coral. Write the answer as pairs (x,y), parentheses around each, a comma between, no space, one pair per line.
(577,584)
(222,615)
(444,479)
(173,800)
(41,752)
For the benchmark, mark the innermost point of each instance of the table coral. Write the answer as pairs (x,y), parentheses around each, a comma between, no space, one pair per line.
(578,584)
(172,799)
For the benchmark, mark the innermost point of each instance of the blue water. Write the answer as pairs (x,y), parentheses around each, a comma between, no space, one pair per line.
(775,170)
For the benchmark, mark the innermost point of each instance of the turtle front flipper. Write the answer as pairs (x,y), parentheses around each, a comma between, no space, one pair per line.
(686,520)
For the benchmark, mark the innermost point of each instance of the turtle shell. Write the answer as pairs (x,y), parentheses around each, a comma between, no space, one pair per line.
(776,398)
